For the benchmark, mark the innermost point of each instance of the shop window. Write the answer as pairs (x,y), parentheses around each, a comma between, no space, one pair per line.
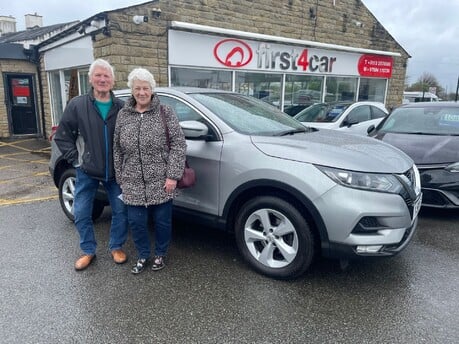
(64,85)
(57,107)
(372,89)
(340,89)
(301,91)
(188,77)
(83,81)
(266,87)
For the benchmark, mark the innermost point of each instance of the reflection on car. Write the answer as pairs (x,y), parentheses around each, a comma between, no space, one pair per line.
(288,193)
(352,117)
(429,133)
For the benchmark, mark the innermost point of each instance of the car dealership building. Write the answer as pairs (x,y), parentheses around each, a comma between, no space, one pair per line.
(288,53)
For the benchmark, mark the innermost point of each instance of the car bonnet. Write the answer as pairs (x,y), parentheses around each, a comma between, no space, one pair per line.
(335,149)
(425,149)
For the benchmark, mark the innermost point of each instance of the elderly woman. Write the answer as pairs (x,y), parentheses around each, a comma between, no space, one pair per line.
(146,168)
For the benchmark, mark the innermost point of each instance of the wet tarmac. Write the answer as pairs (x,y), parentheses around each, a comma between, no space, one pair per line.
(206,293)
(24,174)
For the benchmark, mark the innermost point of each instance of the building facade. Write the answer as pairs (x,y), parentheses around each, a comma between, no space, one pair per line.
(288,53)
(21,113)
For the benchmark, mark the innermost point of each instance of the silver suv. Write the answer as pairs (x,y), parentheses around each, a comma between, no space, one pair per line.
(288,192)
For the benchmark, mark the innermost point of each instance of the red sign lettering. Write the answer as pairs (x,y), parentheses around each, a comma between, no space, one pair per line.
(375,66)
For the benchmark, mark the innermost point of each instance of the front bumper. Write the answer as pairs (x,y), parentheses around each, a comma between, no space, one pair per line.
(346,251)
(440,187)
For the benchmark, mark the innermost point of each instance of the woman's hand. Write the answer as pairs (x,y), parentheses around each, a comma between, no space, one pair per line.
(170,185)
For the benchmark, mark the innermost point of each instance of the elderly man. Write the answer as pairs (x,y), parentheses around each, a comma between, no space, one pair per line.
(85,137)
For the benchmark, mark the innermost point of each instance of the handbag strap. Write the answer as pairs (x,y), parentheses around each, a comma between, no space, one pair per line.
(163,118)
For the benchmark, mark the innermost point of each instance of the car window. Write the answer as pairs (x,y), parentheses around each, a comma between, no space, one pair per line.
(441,121)
(321,113)
(332,113)
(359,114)
(310,113)
(377,113)
(183,111)
(248,115)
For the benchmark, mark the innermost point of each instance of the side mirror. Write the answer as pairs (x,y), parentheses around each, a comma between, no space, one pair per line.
(194,130)
(371,129)
(349,123)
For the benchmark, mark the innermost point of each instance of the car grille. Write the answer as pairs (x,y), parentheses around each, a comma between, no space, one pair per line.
(408,192)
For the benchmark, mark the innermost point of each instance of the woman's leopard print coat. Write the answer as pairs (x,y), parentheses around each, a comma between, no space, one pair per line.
(141,155)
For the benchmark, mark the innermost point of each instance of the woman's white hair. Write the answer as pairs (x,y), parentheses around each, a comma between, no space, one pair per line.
(141,74)
(102,64)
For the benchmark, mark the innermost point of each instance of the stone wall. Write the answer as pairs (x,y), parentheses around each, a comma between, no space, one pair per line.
(16,66)
(342,22)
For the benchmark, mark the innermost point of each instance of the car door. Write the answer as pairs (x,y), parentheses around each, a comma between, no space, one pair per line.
(357,120)
(203,156)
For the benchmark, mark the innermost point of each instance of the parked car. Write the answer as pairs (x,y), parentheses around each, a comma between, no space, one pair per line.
(292,110)
(289,193)
(429,133)
(353,117)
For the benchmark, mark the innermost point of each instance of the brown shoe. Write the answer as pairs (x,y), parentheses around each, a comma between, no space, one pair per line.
(84,261)
(119,257)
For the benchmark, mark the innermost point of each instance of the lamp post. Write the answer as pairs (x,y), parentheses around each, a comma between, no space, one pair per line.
(457,87)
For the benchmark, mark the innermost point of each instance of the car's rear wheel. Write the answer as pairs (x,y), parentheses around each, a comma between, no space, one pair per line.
(274,238)
(67,196)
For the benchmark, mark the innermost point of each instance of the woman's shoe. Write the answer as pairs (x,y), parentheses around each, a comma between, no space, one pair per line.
(158,263)
(139,266)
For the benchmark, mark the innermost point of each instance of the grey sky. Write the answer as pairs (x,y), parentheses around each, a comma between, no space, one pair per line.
(426,29)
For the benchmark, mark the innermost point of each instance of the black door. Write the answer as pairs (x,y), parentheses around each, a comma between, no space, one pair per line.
(21,104)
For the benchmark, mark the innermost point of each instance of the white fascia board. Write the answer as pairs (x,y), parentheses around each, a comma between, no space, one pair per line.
(258,36)
(72,54)
(64,40)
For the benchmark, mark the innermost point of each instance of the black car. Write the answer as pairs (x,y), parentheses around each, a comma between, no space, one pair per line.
(429,133)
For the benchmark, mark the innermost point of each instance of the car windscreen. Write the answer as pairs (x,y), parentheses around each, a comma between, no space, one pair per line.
(325,113)
(423,120)
(248,115)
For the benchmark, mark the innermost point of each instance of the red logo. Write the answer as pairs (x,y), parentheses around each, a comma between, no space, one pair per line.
(233,53)
(375,66)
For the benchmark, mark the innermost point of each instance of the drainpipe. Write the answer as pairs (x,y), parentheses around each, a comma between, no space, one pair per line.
(33,57)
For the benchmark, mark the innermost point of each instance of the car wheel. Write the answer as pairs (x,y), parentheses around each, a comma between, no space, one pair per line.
(274,238)
(67,196)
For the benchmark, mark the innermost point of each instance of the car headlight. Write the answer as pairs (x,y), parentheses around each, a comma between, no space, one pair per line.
(365,181)
(453,167)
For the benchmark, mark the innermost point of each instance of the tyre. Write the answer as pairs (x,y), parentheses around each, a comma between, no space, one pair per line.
(67,196)
(274,238)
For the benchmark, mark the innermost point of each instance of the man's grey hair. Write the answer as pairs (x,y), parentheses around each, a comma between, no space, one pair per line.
(102,64)
(141,74)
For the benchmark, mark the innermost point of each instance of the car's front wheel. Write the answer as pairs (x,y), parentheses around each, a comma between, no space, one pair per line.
(274,238)
(67,196)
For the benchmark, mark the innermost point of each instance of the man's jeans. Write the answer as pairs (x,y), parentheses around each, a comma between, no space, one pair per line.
(85,191)
(162,222)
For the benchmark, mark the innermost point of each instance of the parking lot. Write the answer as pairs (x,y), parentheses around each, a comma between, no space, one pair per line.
(207,294)
(24,175)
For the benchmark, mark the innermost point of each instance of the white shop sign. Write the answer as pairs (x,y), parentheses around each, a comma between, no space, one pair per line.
(212,51)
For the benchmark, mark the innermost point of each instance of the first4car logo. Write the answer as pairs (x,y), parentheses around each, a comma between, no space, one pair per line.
(235,53)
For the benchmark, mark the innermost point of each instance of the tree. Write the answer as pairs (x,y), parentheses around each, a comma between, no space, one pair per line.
(423,84)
